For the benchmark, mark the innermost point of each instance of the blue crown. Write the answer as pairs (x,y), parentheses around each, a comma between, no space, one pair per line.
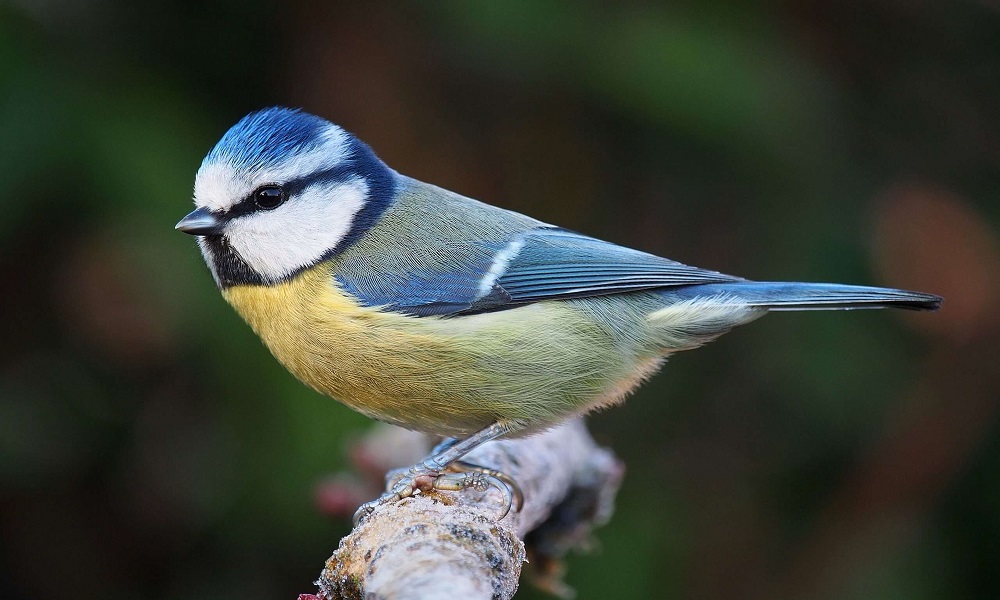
(267,137)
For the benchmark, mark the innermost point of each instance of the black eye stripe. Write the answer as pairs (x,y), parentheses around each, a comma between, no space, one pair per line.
(339,173)
(248,205)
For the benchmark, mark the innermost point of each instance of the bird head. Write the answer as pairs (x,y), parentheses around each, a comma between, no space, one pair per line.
(281,191)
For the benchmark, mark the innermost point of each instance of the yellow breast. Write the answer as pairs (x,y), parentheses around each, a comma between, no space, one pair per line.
(535,364)
(335,345)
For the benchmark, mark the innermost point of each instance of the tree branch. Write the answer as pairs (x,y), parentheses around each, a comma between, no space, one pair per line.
(451,545)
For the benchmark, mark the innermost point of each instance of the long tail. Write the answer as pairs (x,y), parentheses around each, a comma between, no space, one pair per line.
(782,295)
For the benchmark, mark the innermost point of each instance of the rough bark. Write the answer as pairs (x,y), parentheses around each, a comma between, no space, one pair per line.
(452,545)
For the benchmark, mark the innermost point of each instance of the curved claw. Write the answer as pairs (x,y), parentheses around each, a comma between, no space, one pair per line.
(363,511)
(366,509)
(401,483)
(478,481)
(461,466)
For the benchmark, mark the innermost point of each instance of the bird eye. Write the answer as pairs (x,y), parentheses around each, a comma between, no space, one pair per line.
(269,197)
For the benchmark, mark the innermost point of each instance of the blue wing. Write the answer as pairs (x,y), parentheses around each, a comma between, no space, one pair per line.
(559,264)
(544,263)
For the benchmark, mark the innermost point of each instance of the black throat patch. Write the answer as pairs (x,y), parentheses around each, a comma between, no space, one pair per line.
(228,266)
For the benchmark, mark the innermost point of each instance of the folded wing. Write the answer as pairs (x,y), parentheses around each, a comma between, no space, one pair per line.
(544,263)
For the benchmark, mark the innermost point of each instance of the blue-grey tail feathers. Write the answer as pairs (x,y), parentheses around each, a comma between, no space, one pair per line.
(780,295)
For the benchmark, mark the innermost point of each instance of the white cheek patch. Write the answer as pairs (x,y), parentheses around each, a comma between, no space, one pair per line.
(218,185)
(296,234)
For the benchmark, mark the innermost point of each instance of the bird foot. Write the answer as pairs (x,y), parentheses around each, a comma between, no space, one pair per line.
(456,476)
(517,497)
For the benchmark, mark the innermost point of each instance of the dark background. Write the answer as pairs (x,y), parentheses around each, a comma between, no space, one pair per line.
(150,447)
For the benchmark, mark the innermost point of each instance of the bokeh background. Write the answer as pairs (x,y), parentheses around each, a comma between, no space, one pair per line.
(151,448)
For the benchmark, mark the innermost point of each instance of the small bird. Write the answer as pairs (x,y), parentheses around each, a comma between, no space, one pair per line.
(432,311)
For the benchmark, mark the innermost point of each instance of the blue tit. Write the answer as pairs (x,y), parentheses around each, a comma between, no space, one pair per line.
(432,311)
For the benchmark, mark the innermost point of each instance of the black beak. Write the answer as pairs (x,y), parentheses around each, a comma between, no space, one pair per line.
(200,222)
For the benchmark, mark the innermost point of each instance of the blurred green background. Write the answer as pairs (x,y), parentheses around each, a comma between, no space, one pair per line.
(151,448)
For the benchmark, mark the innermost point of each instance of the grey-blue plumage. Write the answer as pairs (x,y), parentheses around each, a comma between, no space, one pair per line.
(434,311)
(441,254)
(787,295)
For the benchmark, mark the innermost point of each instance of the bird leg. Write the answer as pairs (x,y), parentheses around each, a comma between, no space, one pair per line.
(430,473)
(444,445)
